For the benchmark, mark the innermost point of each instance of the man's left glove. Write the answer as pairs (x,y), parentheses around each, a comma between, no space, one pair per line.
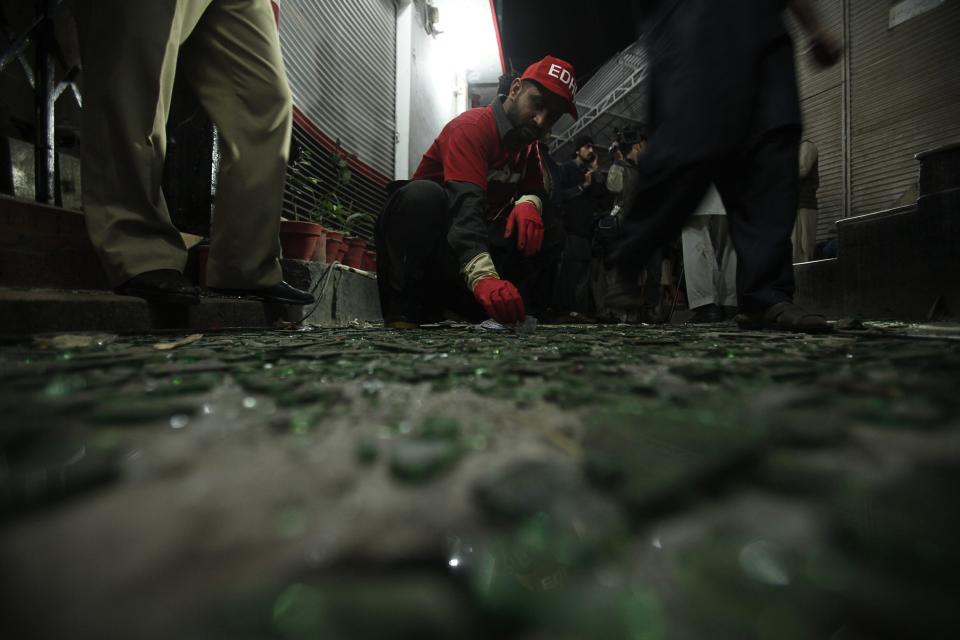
(529,226)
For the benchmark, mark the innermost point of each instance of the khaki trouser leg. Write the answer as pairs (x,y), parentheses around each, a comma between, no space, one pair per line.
(235,67)
(805,235)
(129,56)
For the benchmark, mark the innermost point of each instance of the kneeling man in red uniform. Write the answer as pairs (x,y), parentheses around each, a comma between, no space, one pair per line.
(472,233)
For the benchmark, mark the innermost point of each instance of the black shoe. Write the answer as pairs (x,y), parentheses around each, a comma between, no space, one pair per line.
(651,315)
(281,293)
(624,296)
(400,322)
(166,286)
(708,313)
(562,317)
(784,316)
(399,313)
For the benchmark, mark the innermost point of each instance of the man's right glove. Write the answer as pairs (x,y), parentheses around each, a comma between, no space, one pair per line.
(500,299)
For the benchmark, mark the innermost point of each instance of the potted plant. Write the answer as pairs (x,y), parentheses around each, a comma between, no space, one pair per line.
(355,223)
(333,213)
(315,205)
(299,237)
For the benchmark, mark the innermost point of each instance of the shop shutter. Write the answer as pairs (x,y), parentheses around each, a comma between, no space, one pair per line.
(821,100)
(340,57)
(905,96)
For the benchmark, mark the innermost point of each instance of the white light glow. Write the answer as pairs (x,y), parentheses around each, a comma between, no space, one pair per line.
(473,47)
(434,71)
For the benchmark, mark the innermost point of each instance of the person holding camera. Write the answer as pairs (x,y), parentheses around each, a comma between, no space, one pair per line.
(615,295)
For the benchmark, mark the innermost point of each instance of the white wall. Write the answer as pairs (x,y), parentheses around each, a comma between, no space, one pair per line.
(433,71)
(434,89)
(401,156)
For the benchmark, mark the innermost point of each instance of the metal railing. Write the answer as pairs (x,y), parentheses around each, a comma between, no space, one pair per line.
(618,78)
(47,88)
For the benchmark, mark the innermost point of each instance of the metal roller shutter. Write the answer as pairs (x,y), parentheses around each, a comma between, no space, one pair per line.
(905,96)
(821,99)
(823,126)
(614,97)
(340,57)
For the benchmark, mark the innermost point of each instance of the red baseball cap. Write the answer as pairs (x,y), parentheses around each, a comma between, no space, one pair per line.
(556,76)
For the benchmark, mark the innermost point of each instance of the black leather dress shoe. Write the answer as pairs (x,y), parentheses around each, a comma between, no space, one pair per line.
(708,313)
(165,286)
(281,293)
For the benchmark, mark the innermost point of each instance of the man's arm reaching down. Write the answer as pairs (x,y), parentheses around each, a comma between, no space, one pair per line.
(468,231)
(825,47)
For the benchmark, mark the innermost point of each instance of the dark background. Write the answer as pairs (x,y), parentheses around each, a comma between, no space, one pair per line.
(584,33)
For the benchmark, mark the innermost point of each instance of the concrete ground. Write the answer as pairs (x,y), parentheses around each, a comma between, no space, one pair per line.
(583,482)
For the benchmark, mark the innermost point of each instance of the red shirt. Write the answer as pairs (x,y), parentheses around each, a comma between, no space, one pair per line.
(470,149)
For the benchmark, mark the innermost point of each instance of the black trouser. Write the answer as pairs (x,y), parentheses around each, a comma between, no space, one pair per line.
(606,241)
(758,186)
(418,273)
(651,284)
(572,290)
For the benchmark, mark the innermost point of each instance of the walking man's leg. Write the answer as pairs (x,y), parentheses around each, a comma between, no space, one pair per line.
(805,235)
(235,67)
(759,191)
(130,52)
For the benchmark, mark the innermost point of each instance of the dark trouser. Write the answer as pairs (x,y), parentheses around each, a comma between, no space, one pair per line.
(651,283)
(572,291)
(758,186)
(418,273)
(604,277)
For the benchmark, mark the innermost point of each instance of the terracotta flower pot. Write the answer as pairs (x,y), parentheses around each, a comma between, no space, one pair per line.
(370,260)
(355,249)
(299,239)
(320,253)
(335,245)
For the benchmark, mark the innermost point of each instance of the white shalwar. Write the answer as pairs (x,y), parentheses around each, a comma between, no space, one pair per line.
(709,260)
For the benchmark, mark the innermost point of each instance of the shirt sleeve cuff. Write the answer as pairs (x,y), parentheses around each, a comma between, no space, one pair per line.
(537,202)
(478,268)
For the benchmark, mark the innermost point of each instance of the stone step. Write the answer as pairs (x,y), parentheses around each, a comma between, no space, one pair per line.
(24,311)
(868,236)
(47,247)
(939,169)
(902,263)
(818,287)
(899,264)
(51,280)
(346,296)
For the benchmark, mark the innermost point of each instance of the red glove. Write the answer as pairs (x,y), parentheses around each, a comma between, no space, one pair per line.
(500,299)
(529,224)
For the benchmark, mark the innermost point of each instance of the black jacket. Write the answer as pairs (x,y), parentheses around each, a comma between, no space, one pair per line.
(722,72)
(580,205)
